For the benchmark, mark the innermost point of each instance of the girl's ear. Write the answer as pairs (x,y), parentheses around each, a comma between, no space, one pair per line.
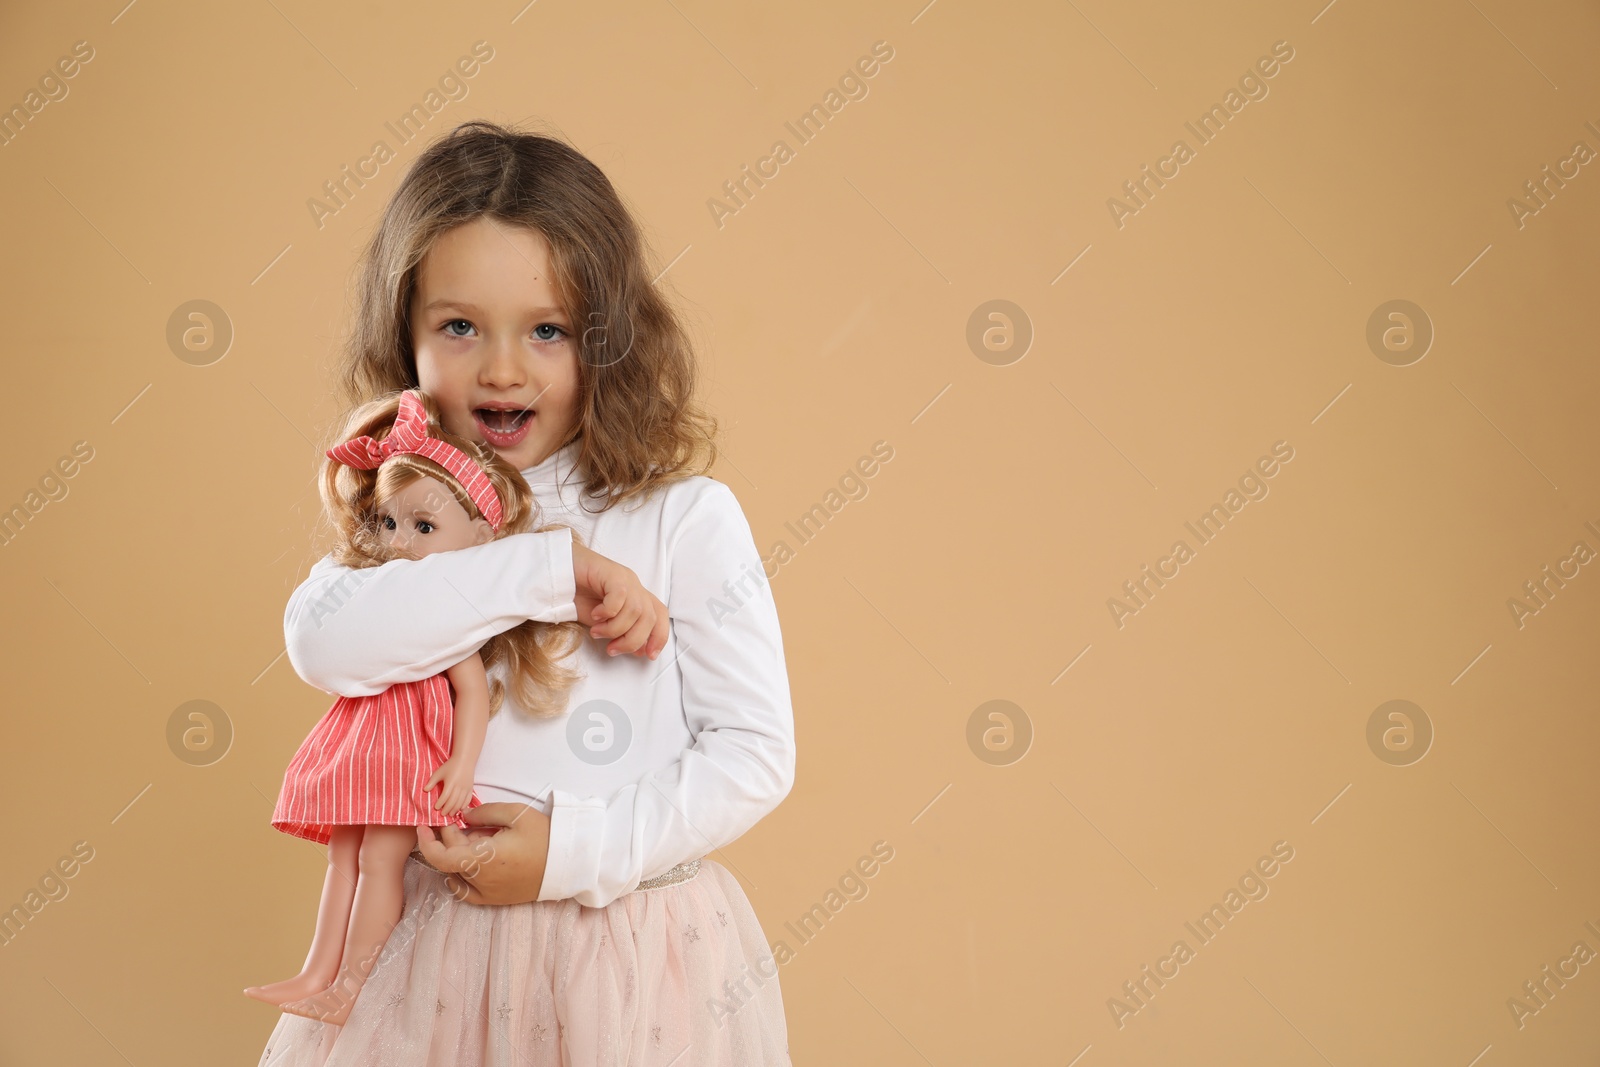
(485,532)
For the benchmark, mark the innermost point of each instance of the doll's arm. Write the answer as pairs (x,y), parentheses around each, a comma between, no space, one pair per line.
(471,684)
(471,723)
(737,705)
(356,632)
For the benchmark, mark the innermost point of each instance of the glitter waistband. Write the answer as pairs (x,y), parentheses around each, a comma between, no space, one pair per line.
(681,873)
(673,876)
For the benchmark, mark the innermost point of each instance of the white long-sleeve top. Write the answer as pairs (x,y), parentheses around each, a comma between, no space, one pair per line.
(668,759)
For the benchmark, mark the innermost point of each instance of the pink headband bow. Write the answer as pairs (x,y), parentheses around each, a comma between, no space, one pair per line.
(410,435)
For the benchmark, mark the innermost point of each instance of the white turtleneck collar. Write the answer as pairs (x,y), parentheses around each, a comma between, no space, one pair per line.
(555,469)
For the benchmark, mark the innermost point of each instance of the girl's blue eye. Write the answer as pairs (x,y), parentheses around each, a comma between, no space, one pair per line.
(545,331)
(386,522)
(423,526)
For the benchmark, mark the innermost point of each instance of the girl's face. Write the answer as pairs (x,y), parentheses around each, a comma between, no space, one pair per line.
(425,517)
(495,348)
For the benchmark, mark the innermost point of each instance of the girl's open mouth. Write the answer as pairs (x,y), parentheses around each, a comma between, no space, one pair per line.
(503,429)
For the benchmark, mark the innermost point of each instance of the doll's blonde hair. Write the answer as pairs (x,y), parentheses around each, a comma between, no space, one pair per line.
(351,498)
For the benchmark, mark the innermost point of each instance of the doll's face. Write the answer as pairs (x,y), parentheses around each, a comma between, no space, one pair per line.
(489,332)
(425,517)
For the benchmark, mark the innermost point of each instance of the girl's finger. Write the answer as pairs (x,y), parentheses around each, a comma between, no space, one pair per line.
(445,857)
(638,633)
(613,604)
(659,633)
(627,618)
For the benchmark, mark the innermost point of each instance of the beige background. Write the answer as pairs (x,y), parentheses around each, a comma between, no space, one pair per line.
(832,311)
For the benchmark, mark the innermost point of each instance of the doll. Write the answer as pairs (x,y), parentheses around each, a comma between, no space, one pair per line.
(366,775)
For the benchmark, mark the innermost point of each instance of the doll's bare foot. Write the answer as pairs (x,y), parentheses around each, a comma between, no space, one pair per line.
(330,1005)
(299,987)
(333,920)
(373,914)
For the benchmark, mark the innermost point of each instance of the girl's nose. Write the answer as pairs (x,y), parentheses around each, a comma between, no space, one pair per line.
(502,365)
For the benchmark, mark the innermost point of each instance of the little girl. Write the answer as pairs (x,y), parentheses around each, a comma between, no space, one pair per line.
(360,782)
(507,280)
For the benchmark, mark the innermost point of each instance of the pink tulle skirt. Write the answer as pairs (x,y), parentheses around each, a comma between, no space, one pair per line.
(679,974)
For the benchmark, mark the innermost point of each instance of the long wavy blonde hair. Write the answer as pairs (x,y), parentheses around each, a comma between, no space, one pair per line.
(351,498)
(638,419)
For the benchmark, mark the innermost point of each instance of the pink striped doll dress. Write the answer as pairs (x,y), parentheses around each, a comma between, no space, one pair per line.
(366,761)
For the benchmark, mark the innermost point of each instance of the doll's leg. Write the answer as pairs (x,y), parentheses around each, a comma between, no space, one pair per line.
(333,920)
(378,904)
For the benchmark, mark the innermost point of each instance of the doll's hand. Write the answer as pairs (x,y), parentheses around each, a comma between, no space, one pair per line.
(457,779)
(613,603)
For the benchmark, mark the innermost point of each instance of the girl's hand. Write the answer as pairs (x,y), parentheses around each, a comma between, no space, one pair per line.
(457,780)
(613,603)
(504,867)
